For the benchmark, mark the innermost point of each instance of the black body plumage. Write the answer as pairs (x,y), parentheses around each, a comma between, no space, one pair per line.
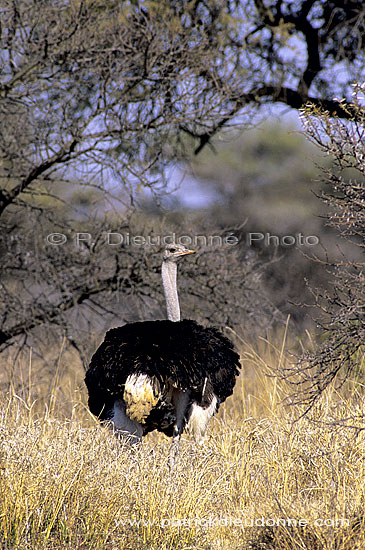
(183,354)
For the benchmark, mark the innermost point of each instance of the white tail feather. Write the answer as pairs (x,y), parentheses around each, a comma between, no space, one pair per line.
(199,418)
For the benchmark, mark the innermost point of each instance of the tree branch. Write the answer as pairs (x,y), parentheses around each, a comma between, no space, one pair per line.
(8,197)
(292,98)
(79,296)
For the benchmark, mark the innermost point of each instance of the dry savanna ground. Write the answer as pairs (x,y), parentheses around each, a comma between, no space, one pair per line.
(259,480)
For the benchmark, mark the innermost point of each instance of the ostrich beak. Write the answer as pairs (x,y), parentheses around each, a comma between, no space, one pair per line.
(186,252)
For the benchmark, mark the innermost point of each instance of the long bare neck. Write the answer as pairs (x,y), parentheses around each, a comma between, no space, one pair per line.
(169,272)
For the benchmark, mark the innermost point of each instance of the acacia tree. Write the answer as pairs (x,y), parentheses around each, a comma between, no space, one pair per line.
(101,87)
(340,309)
(103,93)
(111,86)
(292,53)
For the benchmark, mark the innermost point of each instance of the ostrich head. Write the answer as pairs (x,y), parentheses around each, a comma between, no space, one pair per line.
(174,252)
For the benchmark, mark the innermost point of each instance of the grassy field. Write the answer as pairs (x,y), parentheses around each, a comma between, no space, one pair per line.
(259,480)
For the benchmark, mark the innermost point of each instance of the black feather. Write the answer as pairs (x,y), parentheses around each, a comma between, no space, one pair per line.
(184,354)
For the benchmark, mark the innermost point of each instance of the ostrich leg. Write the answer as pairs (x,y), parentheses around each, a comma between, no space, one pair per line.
(180,400)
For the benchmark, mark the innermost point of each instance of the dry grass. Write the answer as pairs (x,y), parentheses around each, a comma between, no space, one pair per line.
(259,481)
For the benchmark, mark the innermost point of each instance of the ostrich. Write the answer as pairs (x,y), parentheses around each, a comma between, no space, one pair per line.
(162,375)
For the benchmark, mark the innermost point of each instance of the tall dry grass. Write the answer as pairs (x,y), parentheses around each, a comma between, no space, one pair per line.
(260,480)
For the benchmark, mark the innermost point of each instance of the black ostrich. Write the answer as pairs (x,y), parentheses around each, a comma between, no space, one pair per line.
(162,375)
